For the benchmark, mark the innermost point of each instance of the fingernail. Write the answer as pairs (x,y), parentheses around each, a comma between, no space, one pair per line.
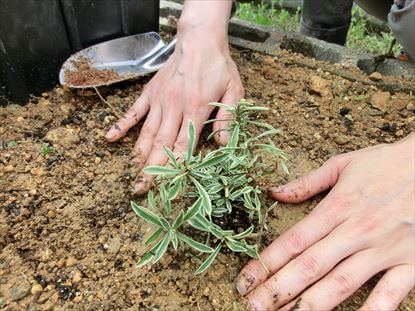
(243,283)
(142,186)
(111,133)
(240,288)
(140,189)
(277,189)
(256,305)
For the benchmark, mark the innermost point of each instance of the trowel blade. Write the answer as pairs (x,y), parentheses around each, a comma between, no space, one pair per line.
(120,57)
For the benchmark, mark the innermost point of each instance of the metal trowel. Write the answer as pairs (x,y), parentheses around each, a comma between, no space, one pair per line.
(125,58)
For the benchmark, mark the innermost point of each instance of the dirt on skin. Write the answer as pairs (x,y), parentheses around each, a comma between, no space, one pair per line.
(68,238)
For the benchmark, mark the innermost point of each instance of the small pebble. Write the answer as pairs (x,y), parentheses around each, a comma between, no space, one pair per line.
(109,119)
(9,168)
(341,140)
(70,262)
(114,245)
(51,214)
(349,117)
(206,291)
(77,277)
(399,133)
(36,289)
(97,160)
(410,107)
(77,298)
(375,76)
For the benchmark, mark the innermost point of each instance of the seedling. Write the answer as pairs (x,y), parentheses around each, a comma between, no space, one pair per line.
(218,186)
(46,149)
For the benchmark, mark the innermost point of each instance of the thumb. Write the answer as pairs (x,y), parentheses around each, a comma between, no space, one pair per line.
(231,98)
(311,184)
(131,118)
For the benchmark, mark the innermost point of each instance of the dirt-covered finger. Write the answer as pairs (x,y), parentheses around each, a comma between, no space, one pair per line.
(231,98)
(343,280)
(306,269)
(148,133)
(293,242)
(131,118)
(391,289)
(311,184)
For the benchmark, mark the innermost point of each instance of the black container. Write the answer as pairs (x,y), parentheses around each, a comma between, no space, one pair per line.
(36,36)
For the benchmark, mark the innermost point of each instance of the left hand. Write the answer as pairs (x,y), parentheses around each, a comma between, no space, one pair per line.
(365,225)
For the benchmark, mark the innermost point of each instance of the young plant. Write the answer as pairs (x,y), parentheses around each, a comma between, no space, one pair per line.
(218,186)
(46,149)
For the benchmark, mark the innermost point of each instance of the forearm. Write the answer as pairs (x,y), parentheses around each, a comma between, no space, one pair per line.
(205,20)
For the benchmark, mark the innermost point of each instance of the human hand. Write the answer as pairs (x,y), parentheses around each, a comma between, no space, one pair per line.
(199,71)
(363,226)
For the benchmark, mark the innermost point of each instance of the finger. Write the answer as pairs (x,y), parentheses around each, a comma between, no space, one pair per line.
(180,146)
(320,222)
(306,269)
(391,289)
(343,281)
(133,115)
(166,136)
(231,98)
(311,184)
(148,132)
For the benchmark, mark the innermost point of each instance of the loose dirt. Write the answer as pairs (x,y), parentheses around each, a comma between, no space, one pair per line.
(68,238)
(85,75)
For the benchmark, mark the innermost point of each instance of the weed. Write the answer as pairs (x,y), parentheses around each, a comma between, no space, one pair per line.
(46,149)
(218,186)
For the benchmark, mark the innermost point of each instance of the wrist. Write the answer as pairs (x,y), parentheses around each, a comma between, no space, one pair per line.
(205,20)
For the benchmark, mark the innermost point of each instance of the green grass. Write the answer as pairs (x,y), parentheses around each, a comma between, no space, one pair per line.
(360,35)
(266,15)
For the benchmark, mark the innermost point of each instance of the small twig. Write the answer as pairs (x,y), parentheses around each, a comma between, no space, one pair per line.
(108,104)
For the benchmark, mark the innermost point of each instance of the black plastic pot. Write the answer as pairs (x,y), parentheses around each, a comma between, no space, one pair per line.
(36,36)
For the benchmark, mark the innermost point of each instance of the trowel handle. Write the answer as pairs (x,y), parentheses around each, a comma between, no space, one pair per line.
(157,60)
(167,50)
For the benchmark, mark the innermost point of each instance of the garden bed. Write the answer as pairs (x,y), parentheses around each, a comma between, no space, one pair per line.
(68,237)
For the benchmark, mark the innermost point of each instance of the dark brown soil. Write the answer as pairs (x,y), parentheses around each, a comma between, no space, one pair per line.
(68,238)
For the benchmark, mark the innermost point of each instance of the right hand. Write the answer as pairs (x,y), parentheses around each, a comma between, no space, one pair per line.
(199,71)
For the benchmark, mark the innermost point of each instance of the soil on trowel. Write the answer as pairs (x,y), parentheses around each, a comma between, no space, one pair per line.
(86,75)
(68,237)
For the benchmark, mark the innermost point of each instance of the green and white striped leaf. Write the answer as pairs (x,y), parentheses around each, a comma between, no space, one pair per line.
(191,141)
(211,162)
(145,259)
(206,203)
(161,170)
(171,156)
(162,248)
(194,244)
(208,262)
(179,220)
(152,201)
(154,236)
(244,234)
(193,210)
(146,214)
(233,141)
(175,190)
